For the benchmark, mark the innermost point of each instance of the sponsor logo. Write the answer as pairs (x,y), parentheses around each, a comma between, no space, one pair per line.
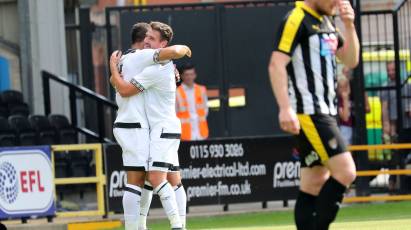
(286,174)
(26,182)
(118,180)
(333,143)
(9,184)
(329,44)
(311,158)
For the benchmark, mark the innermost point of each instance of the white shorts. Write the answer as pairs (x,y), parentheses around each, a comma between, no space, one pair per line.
(134,143)
(164,151)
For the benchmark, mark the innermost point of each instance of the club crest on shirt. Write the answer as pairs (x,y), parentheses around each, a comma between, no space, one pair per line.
(332,143)
(329,44)
(311,158)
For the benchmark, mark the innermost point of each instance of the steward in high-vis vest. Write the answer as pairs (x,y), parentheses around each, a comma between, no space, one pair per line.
(192,106)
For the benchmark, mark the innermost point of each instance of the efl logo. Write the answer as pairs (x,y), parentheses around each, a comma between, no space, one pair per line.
(9,185)
(26,182)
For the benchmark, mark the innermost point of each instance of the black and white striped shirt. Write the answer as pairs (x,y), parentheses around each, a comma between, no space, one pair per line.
(311,40)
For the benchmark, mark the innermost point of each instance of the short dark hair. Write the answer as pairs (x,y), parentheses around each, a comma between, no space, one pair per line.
(139,31)
(185,66)
(165,30)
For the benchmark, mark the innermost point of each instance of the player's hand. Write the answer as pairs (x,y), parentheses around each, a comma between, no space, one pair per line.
(289,121)
(188,52)
(183,50)
(347,14)
(114,60)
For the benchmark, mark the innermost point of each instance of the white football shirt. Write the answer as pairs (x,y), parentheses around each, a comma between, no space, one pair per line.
(159,89)
(131,109)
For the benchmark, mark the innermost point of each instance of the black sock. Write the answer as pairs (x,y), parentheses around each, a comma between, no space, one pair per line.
(328,203)
(304,211)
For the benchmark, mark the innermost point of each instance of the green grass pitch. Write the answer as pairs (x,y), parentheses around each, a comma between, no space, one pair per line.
(392,216)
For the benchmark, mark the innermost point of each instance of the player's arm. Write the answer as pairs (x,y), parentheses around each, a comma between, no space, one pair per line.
(173,52)
(149,57)
(124,88)
(111,82)
(279,79)
(148,78)
(279,83)
(349,52)
(289,34)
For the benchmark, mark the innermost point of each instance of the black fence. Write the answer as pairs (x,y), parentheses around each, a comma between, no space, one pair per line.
(386,41)
(386,48)
(231,44)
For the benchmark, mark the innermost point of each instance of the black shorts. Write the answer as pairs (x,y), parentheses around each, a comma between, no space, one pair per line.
(319,139)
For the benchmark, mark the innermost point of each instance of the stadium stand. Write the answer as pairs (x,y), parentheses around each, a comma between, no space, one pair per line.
(3,110)
(19,128)
(46,132)
(7,134)
(65,131)
(11,103)
(25,133)
(19,108)
(79,160)
(11,97)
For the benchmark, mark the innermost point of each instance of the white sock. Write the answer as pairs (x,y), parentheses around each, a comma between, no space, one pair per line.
(181,198)
(168,200)
(131,206)
(146,197)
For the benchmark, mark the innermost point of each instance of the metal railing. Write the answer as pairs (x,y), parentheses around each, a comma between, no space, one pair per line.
(73,90)
(365,173)
(99,179)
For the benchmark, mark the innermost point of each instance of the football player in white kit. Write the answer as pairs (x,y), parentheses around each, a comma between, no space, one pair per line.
(131,127)
(165,127)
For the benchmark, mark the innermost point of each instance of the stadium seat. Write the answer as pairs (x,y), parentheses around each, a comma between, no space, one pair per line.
(11,97)
(7,134)
(46,132)
(79,160)
(62,164)
(79,164)
(11,103)
(4,111)
(26,134)
(20,108)
(47,136)
(66,133)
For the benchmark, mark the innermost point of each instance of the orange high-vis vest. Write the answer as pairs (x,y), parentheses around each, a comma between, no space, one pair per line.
(184,114)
